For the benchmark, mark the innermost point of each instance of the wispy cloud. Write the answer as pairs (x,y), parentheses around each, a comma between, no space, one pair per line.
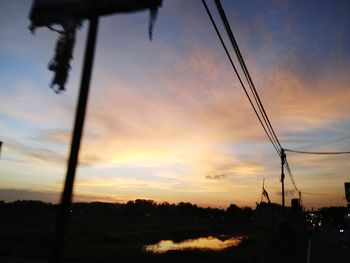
(216,177)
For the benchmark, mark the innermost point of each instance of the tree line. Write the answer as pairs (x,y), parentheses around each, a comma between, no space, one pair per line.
(136,208)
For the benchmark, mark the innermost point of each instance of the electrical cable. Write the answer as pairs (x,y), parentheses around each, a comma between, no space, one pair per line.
(291,176)
(239,78)
(266,121)
(326,142)
(246,71)
(310,152)
(289,171)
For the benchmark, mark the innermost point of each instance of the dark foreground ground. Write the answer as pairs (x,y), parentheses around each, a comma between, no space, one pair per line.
(329,245)
(105,235)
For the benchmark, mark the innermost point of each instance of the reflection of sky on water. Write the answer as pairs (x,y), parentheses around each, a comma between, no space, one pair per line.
(199,243)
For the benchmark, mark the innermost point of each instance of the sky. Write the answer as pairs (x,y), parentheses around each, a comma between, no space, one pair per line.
(167,119)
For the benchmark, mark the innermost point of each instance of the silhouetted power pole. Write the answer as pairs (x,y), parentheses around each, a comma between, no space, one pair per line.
(283,160)
(69,14)
(66,198)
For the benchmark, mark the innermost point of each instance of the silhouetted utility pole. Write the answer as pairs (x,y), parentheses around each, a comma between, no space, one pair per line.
(70,14)
(283,160)
(76,139)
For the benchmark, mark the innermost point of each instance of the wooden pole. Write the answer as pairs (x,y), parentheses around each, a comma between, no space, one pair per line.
(283,159)
(66,198)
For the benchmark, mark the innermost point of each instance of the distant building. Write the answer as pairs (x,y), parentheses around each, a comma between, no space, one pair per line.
(295,203)
(347,191)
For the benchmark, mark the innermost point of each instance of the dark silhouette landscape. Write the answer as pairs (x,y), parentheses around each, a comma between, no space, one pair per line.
(110,232)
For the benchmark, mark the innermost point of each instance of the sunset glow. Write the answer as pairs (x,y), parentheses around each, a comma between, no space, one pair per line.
(167,120)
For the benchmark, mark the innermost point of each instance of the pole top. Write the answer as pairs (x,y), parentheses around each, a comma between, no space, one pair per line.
(49,12)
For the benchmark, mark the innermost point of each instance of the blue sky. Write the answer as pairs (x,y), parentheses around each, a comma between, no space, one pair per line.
(167,119)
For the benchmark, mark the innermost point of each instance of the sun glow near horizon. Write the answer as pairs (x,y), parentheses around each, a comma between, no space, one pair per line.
(167,120)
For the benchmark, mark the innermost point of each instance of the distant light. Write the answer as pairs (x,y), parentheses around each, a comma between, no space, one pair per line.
(319,223)
(341,230)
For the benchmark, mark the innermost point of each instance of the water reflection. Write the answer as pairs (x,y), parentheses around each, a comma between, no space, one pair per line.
(210,242)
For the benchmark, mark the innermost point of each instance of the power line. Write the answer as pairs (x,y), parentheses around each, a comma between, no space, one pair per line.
(327,142)
(310,152)
(293,182)
(239,78)
(246,71)
(264,121)
(258,107)
(291,176)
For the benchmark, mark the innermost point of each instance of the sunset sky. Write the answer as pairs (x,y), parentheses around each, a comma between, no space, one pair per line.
(167,120)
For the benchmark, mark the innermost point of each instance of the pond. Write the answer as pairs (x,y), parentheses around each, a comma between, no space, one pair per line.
(211,243)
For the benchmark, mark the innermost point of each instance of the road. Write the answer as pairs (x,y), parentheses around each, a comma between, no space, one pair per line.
(328,245)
